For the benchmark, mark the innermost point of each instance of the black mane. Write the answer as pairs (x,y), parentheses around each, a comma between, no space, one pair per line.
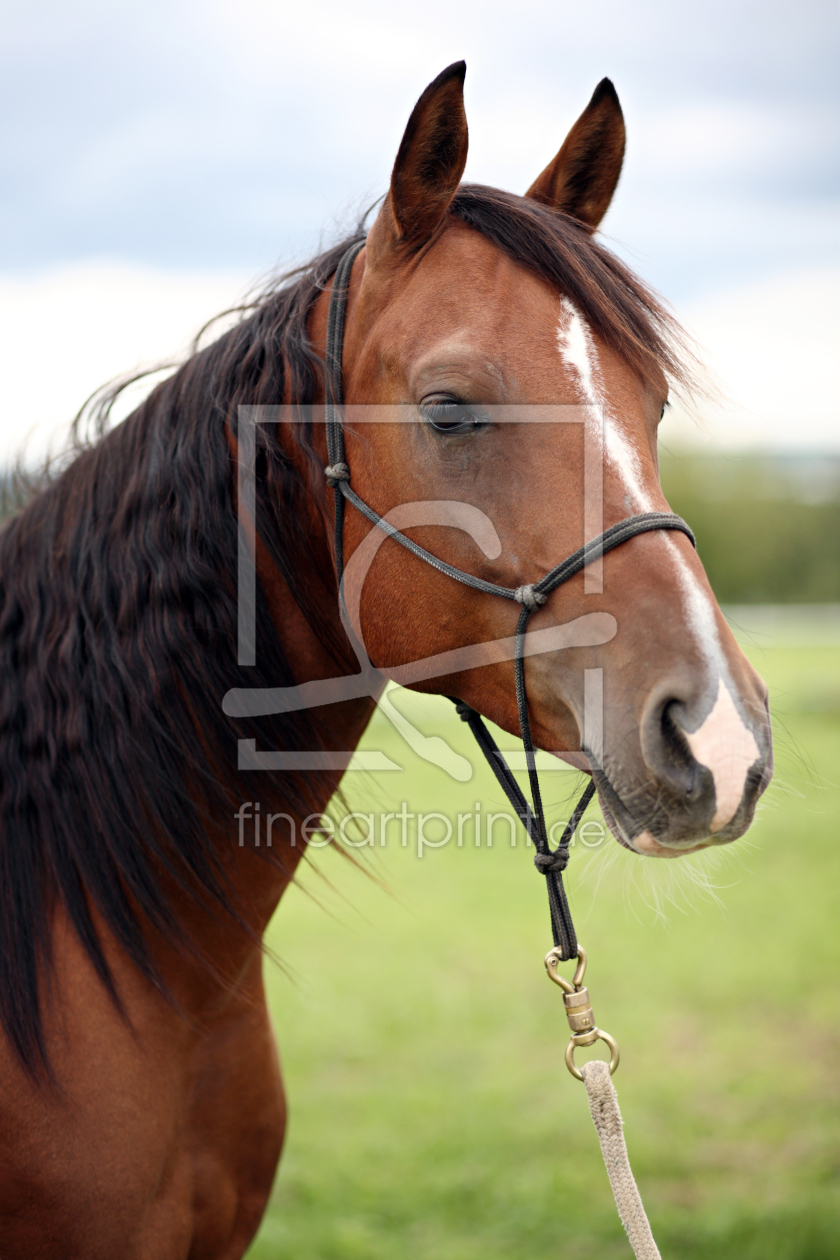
(118,620)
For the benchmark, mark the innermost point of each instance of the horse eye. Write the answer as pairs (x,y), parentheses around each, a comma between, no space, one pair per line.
(448,415)
(665,406)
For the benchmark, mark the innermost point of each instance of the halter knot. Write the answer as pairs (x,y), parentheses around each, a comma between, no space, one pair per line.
(529,596)
(464,711)
(335,473)
(547,863)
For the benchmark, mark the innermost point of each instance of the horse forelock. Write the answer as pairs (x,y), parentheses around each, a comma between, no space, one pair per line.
(614,302)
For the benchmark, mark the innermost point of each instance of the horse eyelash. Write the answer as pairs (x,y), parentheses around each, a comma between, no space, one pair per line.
(435,414)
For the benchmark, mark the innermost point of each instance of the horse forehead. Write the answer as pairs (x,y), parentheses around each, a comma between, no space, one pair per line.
(488,329)
(467,281)
(464,304)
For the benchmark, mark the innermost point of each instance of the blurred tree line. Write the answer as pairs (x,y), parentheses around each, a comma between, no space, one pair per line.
(767,526)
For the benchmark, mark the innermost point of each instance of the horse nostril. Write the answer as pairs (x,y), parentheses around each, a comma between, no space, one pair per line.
(683,785)
(671,753)
(703,757)
(694,789)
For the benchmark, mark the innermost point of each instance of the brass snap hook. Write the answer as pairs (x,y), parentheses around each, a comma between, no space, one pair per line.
(578,1011)
(552,960)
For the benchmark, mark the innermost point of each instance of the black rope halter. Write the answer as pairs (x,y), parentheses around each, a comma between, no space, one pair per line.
(550,863)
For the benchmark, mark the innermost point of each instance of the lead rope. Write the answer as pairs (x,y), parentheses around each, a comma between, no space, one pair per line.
(603,1102)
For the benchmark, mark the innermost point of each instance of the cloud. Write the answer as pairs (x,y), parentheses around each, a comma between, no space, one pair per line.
(68,332)
(201,143)
(772,348)
(228,134)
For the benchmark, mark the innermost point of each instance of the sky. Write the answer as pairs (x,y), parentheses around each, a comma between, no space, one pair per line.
(160,157)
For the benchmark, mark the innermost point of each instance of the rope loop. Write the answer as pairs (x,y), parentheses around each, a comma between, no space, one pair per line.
(529,596)
(548,863)
(335,473)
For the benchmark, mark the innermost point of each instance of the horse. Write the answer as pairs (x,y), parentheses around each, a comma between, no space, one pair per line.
(142,1103)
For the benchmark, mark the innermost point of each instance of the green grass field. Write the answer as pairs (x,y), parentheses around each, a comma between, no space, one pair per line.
(431,1114)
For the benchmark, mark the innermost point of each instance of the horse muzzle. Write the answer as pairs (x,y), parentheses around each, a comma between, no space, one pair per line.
(700,780)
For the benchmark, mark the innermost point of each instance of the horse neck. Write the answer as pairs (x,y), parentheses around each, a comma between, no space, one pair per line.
(316,647)
(256,876)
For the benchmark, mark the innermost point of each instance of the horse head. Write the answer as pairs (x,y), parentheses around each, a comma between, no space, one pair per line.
(480,316)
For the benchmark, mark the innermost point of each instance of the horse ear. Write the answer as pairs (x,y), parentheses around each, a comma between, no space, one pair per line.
(582,178)
(430,161)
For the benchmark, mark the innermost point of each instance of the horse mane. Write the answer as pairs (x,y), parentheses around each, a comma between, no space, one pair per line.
(118,620)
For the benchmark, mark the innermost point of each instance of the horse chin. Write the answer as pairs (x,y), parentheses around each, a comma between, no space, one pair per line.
(644,843)
(648,846)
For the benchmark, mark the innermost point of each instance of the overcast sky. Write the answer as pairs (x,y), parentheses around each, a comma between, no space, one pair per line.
(203,143)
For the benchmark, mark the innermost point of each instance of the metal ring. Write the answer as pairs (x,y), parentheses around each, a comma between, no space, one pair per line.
(600,1035)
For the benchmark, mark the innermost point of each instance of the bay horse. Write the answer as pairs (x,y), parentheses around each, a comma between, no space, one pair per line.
(141,1099)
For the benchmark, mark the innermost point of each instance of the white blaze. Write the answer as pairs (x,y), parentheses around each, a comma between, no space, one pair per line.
(728,748)
(580,353)
(723,743)
(578,350)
